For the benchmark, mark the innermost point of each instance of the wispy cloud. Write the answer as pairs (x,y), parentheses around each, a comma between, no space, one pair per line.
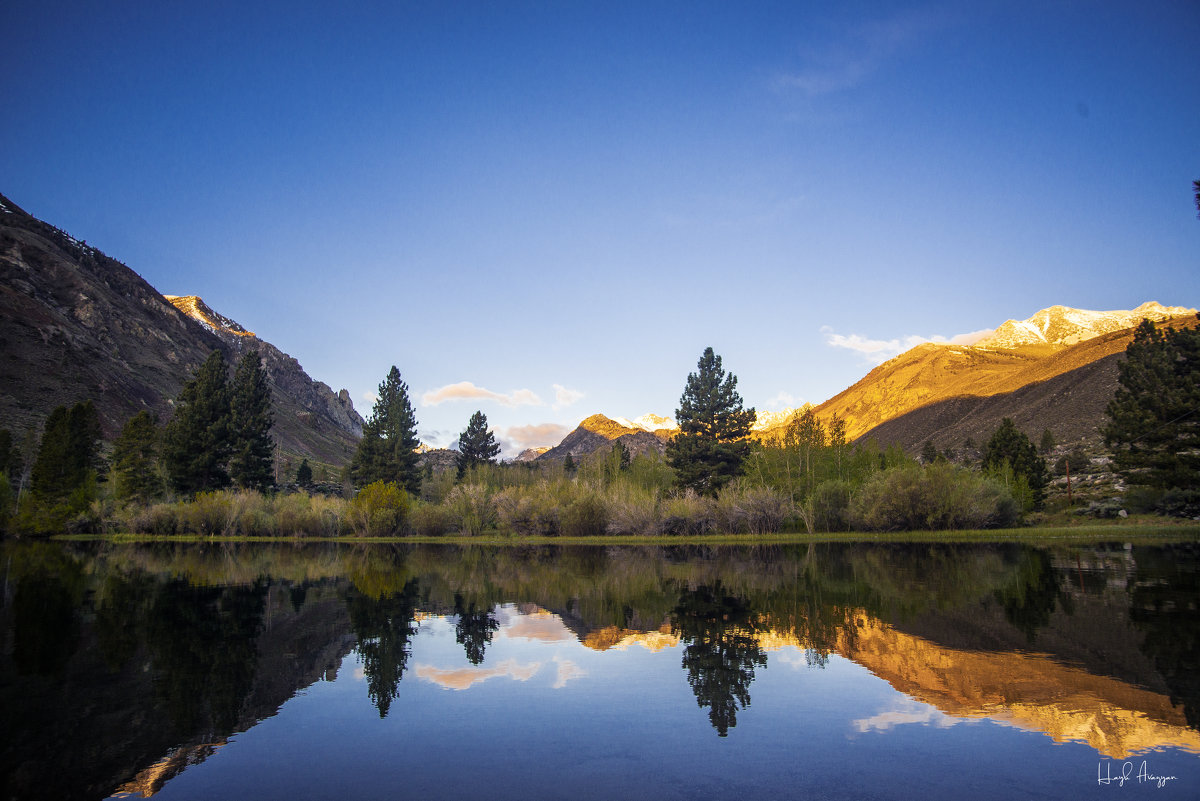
(855,57)
(879,351)
(564,397)
(905,714)
(567,671)
(465,390)
(782,400)
(540,435)
(463,678)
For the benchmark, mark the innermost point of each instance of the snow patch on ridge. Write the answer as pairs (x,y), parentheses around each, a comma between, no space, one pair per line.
(1061,326)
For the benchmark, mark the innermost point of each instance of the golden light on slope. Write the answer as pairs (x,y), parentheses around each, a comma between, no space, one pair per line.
(198,310)
(1028,690)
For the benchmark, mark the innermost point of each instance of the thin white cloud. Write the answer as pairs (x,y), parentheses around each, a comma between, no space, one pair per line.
(564,397)
(854,58)
(370,397)
(905,714)
(879,351)
(782,400)
(465,390)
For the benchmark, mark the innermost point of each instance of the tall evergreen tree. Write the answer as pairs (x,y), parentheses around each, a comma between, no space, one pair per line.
(388,448)
(135,460)
(1010,446)
(197,441)
(712,442)
(1154,417)
(476,445)
(251,465)
(69,453)
(304,474)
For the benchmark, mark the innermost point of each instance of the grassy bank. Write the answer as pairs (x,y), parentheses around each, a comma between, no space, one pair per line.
(1140,530)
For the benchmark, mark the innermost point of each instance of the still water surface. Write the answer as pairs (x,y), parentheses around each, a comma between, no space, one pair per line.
(391,671)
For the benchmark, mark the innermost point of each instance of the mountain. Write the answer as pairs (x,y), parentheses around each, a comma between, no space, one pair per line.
(1061,326)
(1056,370)
(598,432)
(317,421)
(77,324)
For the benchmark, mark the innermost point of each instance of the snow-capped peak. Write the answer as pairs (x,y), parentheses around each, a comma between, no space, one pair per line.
(654,422)
(1060,326)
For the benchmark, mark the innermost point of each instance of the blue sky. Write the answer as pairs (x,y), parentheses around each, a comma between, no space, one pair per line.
(546,210)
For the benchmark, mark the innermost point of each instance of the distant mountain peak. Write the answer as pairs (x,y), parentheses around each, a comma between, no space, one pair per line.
(195,307)
(1063,326)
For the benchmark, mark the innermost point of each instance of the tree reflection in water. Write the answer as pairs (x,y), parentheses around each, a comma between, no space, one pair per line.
(384,627)
(474,629)
(720,652)
(203,640)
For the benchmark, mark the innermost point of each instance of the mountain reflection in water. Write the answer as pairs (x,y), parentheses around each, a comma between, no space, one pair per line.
(124,665)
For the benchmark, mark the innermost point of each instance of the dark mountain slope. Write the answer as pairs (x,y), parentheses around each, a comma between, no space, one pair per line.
(77,324)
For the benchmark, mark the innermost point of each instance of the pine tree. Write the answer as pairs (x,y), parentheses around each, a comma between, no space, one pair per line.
(304,475)
(252,464)
(569,465)
(69,453)
(388,448)
(197,441)
(135,460)
(929,453)
(1047,444)
(1010,446)
(712,442)
(1154,417)
(476,445)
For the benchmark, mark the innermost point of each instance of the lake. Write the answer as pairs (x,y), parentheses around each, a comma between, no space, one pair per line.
(371,671)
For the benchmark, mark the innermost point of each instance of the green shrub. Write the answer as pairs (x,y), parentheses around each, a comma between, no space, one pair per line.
(378,510)
(688,514)
(586,516)
(831,506)
(742,508)
(430,520)
(939,496)
(471,509)
(530,510)
(162,519)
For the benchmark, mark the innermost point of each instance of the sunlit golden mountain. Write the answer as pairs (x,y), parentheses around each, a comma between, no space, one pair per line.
(1057,370)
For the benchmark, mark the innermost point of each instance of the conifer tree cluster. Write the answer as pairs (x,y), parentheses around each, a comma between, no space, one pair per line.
(388,449)
(69,455)
(220,433)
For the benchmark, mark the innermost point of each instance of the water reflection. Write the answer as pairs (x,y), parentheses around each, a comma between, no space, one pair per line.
(383,627)
(719,633)
(123,665)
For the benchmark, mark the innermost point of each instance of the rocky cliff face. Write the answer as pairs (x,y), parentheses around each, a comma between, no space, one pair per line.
(309,416)
(77,324)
